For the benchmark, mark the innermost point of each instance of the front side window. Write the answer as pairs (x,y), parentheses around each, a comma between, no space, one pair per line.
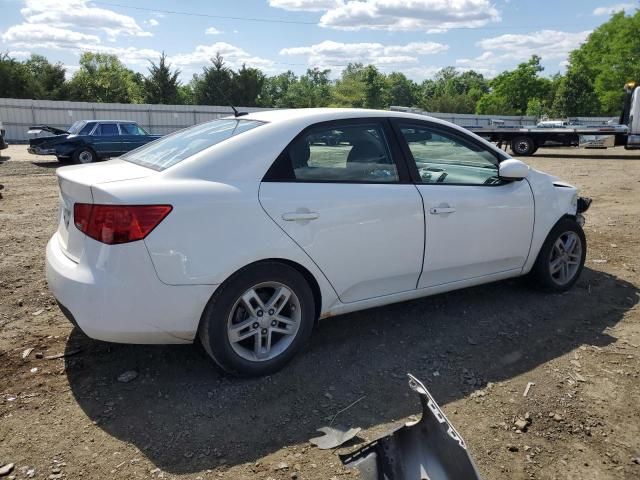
(131,129)
(349,153)
(105,129)
(444,157)
(174,148)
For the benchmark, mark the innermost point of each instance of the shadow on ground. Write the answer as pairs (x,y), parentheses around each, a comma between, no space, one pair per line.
(51,164)
(186,417)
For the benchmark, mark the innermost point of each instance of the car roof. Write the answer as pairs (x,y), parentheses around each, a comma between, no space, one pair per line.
(313,115)
(109,121)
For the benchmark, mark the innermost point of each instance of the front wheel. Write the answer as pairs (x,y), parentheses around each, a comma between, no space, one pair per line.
(258,319)
(561,258)
(84,155)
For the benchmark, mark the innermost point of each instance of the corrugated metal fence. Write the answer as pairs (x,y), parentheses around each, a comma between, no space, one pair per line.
(19,114)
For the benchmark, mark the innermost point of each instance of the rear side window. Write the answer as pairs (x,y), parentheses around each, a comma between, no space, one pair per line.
(340,153)
(107,129)
(131,129)
(174,148)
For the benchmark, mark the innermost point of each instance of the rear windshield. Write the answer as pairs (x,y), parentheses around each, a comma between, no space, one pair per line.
(174,148)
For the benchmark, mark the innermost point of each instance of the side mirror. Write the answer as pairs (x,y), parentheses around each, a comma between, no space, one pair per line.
(513,169)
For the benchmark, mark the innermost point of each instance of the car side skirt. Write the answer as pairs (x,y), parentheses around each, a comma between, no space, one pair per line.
(342,308)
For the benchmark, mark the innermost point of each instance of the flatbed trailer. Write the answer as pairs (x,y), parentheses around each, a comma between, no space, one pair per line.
(526,140)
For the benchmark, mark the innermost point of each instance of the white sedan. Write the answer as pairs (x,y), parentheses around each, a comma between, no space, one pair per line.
(244,231)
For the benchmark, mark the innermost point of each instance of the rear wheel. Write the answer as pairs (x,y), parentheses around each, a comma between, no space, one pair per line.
(84,155)
(561,258)
(258,319)
(523,146)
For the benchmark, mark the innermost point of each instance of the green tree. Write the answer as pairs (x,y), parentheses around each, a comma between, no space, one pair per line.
(247,86)
(15,79)
(103,78)
(399,90)
(513,89)
(349,90)
(214,85)
(161,85)
(575,95)
(374,86)
(313,89)
(48,79)
(608,59)
(275,90)
(453,92)
(535,108)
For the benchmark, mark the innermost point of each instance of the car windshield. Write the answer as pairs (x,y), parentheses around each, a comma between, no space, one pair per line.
(76,127)
(174,148)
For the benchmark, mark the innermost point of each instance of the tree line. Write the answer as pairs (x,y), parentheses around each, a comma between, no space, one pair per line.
(591,85)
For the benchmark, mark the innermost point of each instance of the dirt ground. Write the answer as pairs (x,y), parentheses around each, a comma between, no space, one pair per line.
(476,350)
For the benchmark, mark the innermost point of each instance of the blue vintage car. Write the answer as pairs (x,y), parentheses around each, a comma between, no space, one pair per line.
(89,140)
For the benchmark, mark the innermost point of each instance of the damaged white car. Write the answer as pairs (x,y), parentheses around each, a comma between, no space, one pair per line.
(243,231)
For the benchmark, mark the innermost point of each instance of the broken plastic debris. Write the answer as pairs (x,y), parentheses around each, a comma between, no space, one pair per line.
(334,436)
(430,448)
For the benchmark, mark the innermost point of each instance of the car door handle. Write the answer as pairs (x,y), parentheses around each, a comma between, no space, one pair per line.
(441,210)
(300,216)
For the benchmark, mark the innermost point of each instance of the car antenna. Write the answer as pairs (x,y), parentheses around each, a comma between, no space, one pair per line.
(236,113)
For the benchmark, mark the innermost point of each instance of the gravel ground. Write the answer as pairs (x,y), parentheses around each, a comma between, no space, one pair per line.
(475,349)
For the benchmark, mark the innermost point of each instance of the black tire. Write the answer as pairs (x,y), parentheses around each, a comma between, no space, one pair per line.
(523,146)
(541,271)
(84,155)
(213,325)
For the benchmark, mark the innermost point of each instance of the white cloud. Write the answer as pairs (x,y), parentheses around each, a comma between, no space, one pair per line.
(34,35)
(78,14)
(304,5)
(19,53)
(548,44)
(408,15)
(628,7)
(212,31)
(152,22)
(329,54)
(233,56)
(128,55)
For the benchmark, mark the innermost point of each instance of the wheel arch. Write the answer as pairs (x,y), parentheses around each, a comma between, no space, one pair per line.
(309,277)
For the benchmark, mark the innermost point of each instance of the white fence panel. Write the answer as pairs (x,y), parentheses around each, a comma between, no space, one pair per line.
(19,114)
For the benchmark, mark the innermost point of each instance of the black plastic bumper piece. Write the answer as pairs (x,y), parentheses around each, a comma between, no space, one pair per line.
(429,449)
(583,204)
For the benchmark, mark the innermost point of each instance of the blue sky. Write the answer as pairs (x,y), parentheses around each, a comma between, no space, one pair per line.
(416,37)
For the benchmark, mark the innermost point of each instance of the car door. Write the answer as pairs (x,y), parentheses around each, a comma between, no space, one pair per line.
(476,224)
(340,193)
(106,140)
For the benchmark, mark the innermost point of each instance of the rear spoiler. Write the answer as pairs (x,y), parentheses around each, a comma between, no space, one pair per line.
(46,128)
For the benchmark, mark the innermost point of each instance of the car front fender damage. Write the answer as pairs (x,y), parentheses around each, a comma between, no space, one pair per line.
(430,448)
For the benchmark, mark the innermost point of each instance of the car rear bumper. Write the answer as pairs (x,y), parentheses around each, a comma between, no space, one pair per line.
(113,294)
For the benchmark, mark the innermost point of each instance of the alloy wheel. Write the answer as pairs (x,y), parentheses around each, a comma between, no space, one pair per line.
(564,261)
(264,321)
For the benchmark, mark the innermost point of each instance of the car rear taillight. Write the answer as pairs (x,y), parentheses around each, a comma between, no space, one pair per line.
(113,224)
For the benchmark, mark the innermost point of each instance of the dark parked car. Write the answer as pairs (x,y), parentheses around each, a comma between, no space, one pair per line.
(3,143)
(89,140)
